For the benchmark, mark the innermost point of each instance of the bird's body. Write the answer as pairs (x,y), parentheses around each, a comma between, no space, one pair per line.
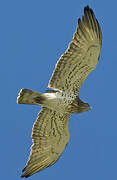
(50,131)
(54,100)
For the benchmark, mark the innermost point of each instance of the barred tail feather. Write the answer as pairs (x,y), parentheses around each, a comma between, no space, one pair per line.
(27,96)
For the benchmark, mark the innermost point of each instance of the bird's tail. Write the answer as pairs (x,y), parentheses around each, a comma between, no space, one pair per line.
(27,96)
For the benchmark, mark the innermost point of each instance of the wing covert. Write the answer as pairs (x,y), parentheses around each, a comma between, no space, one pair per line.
(80,58)
(50,135)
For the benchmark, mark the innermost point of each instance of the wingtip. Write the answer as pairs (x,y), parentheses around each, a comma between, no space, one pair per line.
(87,9)
(24,175)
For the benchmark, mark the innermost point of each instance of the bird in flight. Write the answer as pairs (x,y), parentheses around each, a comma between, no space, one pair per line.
(50,133)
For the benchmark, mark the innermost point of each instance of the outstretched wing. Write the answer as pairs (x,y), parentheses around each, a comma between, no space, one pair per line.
(81,56)
(50,135)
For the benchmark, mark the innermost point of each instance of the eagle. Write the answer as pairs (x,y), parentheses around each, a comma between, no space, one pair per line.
(50,133)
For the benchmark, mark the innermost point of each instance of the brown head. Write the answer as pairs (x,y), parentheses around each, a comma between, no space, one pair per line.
(79,106)
(82,106)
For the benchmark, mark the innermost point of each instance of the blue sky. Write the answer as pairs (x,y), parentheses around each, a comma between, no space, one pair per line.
(33,35)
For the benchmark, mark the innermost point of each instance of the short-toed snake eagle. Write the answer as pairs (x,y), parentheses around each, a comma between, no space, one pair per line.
(50,131)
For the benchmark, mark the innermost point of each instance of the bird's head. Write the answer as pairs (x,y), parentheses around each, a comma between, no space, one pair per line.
(82,106)
(79,106)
